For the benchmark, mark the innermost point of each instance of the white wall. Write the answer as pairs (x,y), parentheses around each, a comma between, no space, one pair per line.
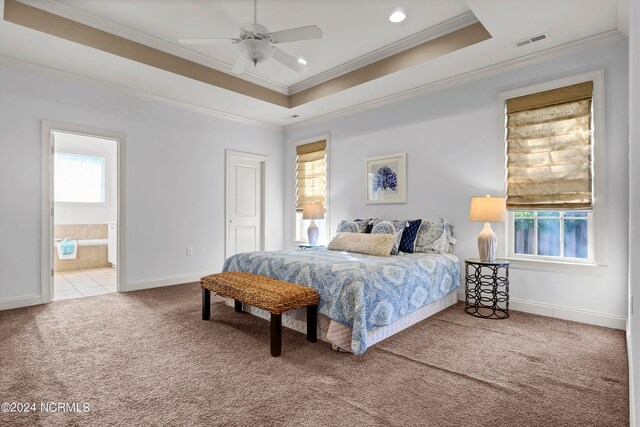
(175,161)
(452,142)
(634,204)
(76,213)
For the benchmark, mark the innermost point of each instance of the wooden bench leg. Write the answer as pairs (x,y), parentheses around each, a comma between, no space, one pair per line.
(312,323)
(237,305)
(206,304)
(276,335)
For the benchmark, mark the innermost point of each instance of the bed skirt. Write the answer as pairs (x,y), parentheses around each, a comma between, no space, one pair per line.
(339,335)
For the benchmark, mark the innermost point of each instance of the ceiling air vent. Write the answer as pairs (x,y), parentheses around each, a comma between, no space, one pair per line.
(531,39)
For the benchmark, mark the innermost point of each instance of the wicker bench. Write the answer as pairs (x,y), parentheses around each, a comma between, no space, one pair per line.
(272,295)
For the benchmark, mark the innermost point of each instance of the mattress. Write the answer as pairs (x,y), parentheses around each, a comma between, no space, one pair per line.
(362,292)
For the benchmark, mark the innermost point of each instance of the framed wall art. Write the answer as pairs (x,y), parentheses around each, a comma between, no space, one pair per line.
(387,179)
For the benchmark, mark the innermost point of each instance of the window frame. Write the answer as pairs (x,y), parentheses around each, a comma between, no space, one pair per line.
(295,221)
(590,249)
(597,260)
(107,176)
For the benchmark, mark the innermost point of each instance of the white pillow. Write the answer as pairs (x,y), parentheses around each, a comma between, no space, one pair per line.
(363,243)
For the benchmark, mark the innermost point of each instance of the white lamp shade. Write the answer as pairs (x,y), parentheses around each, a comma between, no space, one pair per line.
(312,211)
(488,209)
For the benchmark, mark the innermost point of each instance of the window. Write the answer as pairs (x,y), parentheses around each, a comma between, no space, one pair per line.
(79,178)
(550,196)
(311,180)
(563,234)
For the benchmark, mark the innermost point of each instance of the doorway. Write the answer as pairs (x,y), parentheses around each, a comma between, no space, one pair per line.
(82,189)
(245,202)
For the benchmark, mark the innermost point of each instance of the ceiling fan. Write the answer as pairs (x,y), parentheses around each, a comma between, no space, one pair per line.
(256,44)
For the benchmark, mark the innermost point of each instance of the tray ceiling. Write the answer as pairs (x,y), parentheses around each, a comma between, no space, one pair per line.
(356,34)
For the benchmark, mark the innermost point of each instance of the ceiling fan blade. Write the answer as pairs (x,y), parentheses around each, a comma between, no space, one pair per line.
(296,34)
(239,65)
(288,60)
(236,15)
(208,41)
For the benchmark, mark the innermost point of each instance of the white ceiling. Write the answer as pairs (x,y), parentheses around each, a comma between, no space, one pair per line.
(352,29)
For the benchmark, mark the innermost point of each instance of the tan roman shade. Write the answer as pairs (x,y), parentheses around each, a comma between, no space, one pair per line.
(549,149)
(310,173)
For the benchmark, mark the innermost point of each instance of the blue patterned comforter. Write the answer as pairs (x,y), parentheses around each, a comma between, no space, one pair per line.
(360,291)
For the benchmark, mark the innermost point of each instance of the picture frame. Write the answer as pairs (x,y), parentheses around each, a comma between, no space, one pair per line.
(386,178)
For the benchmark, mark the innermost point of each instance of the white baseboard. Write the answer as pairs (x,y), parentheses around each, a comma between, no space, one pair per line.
(136,285)
(565,313)
(156,282)
(9,303)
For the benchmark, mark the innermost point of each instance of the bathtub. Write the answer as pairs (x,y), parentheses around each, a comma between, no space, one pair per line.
(89,242)
(90,253)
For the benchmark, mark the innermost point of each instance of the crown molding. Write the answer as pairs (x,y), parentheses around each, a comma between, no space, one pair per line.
(78,15)
(136,93)
(114,28)
(623,16)
(439,30)
(532,59)
(489,71)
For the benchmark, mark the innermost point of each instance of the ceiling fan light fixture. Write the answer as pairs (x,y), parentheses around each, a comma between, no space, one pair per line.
(257,44)
(255,50)
(397,16)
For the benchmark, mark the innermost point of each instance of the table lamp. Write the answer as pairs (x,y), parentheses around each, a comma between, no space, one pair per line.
(488,209)
(313,211)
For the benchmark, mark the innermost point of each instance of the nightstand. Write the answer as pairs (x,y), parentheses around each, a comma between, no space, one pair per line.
(307,247)
(487,288)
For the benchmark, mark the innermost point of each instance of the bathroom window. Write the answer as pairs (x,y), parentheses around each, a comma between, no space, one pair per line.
(79,178)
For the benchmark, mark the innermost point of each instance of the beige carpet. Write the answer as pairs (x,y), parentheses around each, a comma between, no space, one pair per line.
(146,358)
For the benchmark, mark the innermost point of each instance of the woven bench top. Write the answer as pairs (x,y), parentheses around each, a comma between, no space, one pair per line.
(272,295)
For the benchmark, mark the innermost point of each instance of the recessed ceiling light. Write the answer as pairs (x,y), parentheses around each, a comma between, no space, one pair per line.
(397,16)
(302,61)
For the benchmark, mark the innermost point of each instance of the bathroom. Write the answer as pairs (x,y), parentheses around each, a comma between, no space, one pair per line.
(84,172)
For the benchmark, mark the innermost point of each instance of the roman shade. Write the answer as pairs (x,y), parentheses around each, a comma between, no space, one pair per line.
(549,149)
(310,174)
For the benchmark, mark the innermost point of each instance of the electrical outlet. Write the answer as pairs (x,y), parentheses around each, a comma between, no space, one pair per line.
(189,251)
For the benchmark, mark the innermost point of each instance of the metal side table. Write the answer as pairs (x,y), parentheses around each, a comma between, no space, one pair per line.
(487,288)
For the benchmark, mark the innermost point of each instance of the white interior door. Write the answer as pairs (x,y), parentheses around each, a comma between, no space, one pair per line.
(244,203)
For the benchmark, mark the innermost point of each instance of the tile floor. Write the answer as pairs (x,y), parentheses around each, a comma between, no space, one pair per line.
(84,283)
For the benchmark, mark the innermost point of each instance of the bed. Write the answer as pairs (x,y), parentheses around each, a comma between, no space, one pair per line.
(363,298)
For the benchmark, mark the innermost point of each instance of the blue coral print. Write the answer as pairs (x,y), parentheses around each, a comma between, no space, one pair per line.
(385,179)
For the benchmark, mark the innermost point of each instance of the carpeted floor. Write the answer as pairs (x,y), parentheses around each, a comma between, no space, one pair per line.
(146,358)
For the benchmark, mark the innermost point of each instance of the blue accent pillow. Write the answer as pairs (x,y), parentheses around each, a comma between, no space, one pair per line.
(369,226)
(409,236)
(355,226)
(348,227)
